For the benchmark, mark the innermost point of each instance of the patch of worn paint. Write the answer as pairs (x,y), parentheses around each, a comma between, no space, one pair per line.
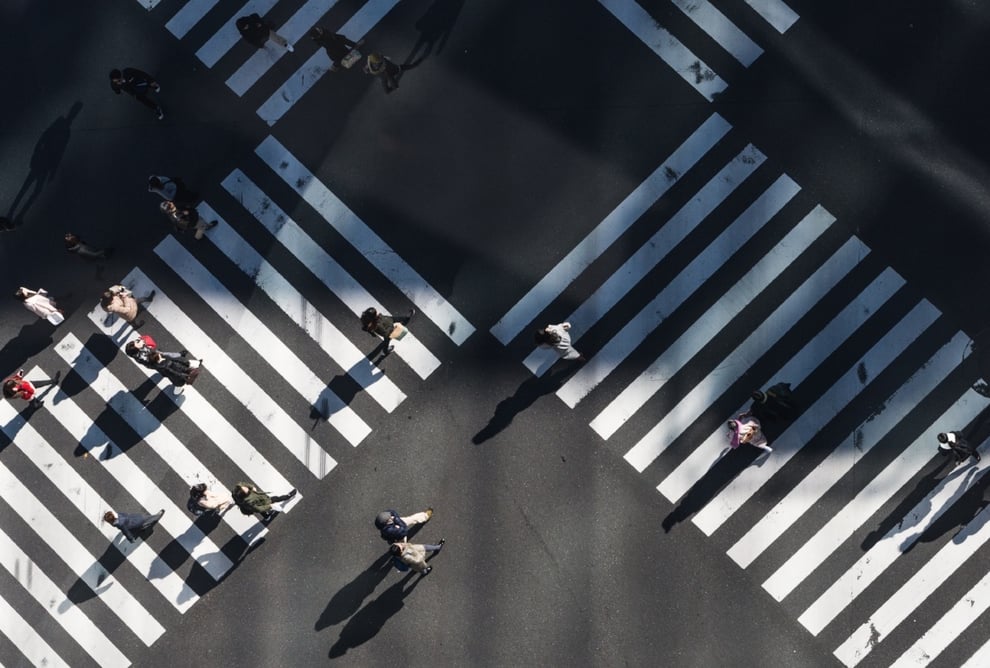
(284,164)
(451,328)
(861,373)
(858,439)
(874,638)
(700,73)
(670,173)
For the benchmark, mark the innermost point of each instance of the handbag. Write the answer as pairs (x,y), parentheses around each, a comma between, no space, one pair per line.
(348,61)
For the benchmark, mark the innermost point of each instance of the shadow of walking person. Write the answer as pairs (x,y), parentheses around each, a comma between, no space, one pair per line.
(348,600)
(729,464)
(524,397)
(434,28)
(370,619)
(44,162)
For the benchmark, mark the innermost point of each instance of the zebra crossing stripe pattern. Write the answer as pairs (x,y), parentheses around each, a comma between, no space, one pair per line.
(186,18)
(651,253)
(168,583)
(322,265)
(268,412)
(64,611)
(224,39)
(27,641)
(430,302)
(330,339)
(611,228)
(675,293)
(729,37)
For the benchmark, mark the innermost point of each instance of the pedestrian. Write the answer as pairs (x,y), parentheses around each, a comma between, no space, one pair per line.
(255,30)
(776,403)
(185,218)
(747,429)
(954,442)
(394,528)
(412,555)
(73,244)
(383,68)
(172,189)
(251,500)
(121,301)
(385,326)
(175,366)
(204,500)
(137,83)
(342,51)
(18,387)
(41,304)
(558,337)
(132,524)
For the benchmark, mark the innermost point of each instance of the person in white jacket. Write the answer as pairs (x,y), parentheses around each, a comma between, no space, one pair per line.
(41,304)
(558,337)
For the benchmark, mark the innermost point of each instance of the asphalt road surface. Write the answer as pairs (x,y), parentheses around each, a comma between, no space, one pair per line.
(717,196)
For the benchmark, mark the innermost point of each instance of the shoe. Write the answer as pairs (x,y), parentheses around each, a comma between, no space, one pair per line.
(292,494)
(161,114)
(391,347)
(37,403)
(429,513)
(184,353)
(428,569)
(977,457)
(442,541)
(269,516)
(58,376)
(212,225)
(290,48)
(412,312)
(151,295)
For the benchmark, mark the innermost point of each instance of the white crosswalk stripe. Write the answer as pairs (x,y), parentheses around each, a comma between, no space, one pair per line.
(663,400)
(27,641)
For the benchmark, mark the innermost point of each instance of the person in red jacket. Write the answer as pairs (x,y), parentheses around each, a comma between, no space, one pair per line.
(18,387)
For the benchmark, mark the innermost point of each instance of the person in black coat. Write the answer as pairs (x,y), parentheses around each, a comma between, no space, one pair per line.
(954,442)
(393,528)
(336,45)
(137,83)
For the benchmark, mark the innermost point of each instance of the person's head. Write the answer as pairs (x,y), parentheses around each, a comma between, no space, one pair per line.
(375,63)
(240,491)
(154,183)
(196,491)
(943,437)
(383,519)
(10,388)
(21,294)
(109,517)
(317,33)
(167,206)
(758,397)
(369,317)
(116,76)
(544,335)
(134,347)
(395,548)
(732,424)
(71,240)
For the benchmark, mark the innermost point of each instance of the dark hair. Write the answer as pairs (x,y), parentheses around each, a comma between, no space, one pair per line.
(316,33)
(543,336)
(116,74)
(20,295)
(943,437)
(154,182)
(758,396)
(197,491)
(131,347)
(369,317)
(109,517)
(395,548)
(10,388)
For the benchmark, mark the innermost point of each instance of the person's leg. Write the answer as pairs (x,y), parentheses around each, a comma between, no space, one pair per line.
(284,497)
(143,99)
(419,518)
(151,520)
(278,39)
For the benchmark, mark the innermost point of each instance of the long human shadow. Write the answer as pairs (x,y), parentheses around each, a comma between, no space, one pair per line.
(728,465)
(966,508)
(434,29)
(44,161)
(370,619)
(32,340)
(524,397)
(349,598)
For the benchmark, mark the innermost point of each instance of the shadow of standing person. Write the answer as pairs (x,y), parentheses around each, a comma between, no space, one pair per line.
(434,28)
(44,162)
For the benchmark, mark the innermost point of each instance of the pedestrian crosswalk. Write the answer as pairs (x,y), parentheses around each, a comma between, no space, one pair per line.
(721,34)
(249,67)
(290,382)
(744,282)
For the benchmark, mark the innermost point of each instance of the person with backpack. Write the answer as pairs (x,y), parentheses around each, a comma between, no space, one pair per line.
(412,555)
(250,500)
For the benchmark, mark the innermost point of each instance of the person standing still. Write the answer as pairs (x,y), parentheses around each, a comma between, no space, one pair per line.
(138,84)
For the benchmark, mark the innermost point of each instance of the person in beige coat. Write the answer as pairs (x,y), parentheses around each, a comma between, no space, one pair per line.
(121,301)
(407,555)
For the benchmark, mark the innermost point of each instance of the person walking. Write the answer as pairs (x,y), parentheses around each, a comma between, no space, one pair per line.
(18,387)
(413,555)
(132,524)
(385,326)
(747,429)
(73,244)
(342,51)
(776,403)
(954,442)
(173,189)
(204,500)
(394,528)
(558,337)
(185,218)
(138,84)
(119,300)
(251,500)
(382,67)
(257,31)
(40,303)
(175,366)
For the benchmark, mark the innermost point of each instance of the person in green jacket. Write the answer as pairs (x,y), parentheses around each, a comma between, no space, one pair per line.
(252,500)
